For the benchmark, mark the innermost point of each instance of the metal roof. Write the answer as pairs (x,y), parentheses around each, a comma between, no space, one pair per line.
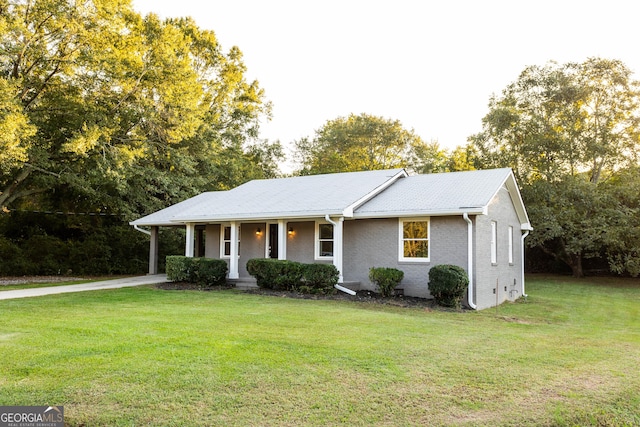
(295,197)
(369,194)
(446,193)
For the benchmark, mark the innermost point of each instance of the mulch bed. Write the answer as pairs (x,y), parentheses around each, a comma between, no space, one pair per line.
(362,296)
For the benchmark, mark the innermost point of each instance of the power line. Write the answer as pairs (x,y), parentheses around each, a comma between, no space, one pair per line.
(66,213)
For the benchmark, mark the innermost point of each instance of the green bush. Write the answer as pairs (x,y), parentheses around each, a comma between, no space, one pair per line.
(448,284)
(12,262)
(36,243)
(319,279)
(386,279)
(205,272)
(179,268)
(275,274)
(293,276)
(210,272)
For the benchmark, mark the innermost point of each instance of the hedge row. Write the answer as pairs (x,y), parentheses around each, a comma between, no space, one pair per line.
(205,272)
(293,276)
(49,244)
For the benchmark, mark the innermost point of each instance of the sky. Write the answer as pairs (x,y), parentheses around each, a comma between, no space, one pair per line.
(432,65)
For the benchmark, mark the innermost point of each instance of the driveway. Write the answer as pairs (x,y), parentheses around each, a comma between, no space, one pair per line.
(92,286)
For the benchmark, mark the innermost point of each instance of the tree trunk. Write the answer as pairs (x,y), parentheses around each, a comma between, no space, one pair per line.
(8,194)
(575,262)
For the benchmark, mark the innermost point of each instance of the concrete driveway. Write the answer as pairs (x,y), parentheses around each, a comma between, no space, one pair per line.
(92,286)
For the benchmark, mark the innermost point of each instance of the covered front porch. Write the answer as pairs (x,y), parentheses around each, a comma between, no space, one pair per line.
(304,240)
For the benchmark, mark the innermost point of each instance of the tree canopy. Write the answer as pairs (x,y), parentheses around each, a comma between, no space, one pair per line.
(571,132)
(103,109)
(366,142)
(558,120)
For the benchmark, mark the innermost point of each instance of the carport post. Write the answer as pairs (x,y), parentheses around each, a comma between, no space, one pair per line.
(153,251)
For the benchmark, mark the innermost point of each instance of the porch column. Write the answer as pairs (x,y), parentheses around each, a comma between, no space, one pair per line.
(337,245)
(282,239)
(153,251)
(188,247)
(233,255)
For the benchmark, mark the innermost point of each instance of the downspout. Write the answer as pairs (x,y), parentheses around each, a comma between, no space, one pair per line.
(337,254)
(147,232)
(526,233)
(470,258)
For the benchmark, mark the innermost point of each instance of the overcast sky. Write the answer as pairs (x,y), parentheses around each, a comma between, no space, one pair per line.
(432,65)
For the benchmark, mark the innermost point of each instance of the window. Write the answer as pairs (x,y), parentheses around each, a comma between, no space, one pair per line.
(414,240)
(510,237)
(225,242)
(494,242)
(324,240)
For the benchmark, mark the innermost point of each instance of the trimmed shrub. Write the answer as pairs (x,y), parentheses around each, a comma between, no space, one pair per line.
(319,279)
(275,274)
(179,268)
(293,276)
(448,284)
(205,272)
(210,272)
(386,279)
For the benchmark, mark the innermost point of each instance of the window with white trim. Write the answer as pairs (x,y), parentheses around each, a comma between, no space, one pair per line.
(414,239)
(324,240)
(225,242)
(510,237)
(494,242)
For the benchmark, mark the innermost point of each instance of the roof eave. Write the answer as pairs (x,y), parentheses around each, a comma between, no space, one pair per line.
(481,210)
(260,217)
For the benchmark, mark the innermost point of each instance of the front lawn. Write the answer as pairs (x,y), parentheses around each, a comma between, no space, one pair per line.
(145,356)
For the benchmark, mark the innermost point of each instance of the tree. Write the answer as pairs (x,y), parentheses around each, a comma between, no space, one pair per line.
(567,130)
(428,158)
(559,120)
(357,143)
(102,109)
(622,234)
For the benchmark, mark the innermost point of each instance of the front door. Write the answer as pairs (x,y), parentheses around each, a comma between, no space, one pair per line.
(273,241)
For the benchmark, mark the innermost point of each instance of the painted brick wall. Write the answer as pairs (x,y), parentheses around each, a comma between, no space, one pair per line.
(251,245)
(300,244)
(375,243)
(212,241)
(490,277)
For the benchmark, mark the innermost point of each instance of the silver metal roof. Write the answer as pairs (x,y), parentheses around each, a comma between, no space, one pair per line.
(444,193)
(369,194)
(296,197)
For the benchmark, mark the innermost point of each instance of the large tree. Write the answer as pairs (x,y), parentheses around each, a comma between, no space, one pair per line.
(101,108)
(566,130)
(559,120)
(365,142)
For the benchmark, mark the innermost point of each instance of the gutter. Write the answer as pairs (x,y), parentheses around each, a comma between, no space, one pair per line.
(465,216)
(526,233)
(147,232)
(337,255)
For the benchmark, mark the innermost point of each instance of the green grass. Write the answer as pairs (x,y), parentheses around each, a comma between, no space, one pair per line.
(143,356)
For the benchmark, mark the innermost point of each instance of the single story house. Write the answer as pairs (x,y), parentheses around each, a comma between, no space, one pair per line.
(359,220)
